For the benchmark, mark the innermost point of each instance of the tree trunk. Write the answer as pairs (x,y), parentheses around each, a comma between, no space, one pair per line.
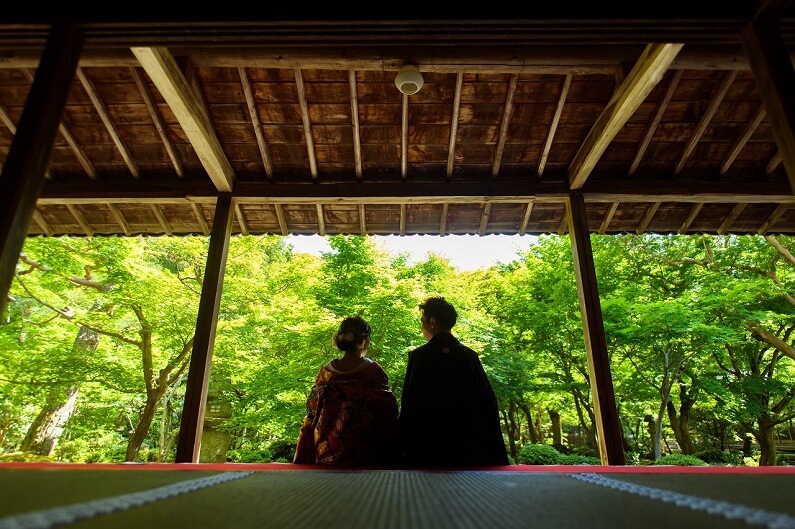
(532,431)
(43,435)
(141,429)
(45,432)
(767,444)
(557,431)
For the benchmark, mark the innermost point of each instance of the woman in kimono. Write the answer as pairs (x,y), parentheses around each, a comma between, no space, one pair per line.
(351,414)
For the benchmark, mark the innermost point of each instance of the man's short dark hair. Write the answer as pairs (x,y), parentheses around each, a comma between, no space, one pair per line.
(441,310)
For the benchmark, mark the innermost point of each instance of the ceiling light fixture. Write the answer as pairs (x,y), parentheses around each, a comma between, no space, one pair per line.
(409,80)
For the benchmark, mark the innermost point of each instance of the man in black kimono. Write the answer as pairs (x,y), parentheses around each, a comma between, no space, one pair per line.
(449,415)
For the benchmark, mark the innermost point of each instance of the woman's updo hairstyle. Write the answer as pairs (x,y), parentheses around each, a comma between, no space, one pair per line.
(351,331)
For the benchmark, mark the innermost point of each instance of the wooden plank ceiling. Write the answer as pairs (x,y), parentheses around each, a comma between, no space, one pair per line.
(658,123)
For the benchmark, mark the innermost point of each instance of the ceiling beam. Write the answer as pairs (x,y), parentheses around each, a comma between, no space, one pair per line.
(506,191)
(646,73)
(264,150)
(564,92)
(161,67)
(644,144)
(459,81)
(597,58)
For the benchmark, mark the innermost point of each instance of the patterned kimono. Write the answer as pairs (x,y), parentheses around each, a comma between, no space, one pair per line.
(351,418)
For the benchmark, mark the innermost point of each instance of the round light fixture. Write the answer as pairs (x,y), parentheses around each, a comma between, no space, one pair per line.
(409,80)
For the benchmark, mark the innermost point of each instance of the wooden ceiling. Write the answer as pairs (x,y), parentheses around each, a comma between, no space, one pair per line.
(656,117)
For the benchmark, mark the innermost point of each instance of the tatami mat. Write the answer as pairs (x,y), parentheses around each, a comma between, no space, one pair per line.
(285,498)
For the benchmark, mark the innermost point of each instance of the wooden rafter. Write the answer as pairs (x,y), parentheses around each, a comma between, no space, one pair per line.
(563,226)
(608,218)
(241,218)
(321,220)
(443,221)
(526,218)
(77,150)
(690,217)
(362,221)
(504,123)
(459,80)
(357,140)
(310,142)
(743,139)
(644,223)
(404,137)
(43,224)
(774,162)
(264,150)
(102,110)
(157,119)
(703,123)
(724,227)
(773,218)
(644,144)
(281,218)
(553,127)
(81,220)
(402,219)
(175,89)
(6,119)
(484,218)
(648,71)
(119,216)
(161,219)
(199,213)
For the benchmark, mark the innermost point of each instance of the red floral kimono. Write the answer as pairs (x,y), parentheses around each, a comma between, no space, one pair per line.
(351,418)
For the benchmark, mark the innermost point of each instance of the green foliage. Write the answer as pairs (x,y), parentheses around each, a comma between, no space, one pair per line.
(721,457)
(696,317)
(248,456)
(682,460)
(539,454)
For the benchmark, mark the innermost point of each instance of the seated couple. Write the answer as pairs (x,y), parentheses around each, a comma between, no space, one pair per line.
(448,414)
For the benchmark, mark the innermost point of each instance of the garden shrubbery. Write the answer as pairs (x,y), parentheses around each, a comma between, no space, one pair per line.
(541,454)
(681,460)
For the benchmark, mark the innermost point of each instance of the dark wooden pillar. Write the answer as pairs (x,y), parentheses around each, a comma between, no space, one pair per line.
(775,79)
(608,427)
(190,432)
(23,174)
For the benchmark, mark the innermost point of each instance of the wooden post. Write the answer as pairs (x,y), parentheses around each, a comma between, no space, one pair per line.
(23,174)
(775,79)
(608,428)
(190,432)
